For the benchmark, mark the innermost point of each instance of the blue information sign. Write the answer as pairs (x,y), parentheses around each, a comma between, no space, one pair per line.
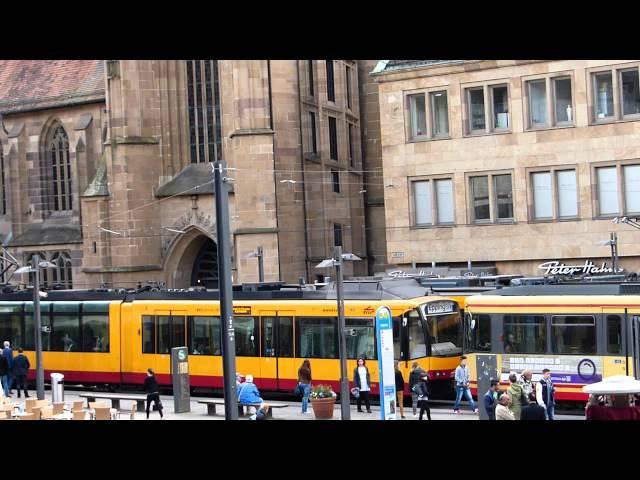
(384,334)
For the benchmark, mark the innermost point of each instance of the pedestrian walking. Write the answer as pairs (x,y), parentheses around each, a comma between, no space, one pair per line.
(4,375)
(502,409)
(417,372)
(491,400)
(533,411)
(7,352)
(545,393)
(399,389)
(424,392)
(153,392)
(462,386)
(518,397)
(21,367)
(304,381)
(362,381)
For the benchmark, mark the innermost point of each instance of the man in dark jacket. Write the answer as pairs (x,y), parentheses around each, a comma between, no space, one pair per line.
(490,400)
(7,352)
(533,411)
(21,366)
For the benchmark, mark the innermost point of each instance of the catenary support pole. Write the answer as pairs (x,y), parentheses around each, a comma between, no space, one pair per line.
(37,326)
(344,377)
(260,265)
(226,290)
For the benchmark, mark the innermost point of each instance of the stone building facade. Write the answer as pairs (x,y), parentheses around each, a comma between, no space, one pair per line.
(509,163)
(107,171)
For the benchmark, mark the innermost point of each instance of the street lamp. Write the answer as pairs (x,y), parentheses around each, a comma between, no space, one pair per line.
(613,241)
(36,265)
(259,255)
(629,221)
(336,261)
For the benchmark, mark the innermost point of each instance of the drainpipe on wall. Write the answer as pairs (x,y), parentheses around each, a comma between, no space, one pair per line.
(304,185)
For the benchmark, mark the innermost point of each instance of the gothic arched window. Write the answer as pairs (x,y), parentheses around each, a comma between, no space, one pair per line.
(203,99)
(44,277)
(62,272)
(59,165)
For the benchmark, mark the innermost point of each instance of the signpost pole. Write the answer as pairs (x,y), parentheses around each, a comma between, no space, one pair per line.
(37,326)
(384,331)
(345,406)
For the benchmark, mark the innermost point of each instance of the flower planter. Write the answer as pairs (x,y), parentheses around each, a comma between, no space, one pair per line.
(323,408)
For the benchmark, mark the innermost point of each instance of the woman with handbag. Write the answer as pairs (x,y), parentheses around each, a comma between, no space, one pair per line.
(424,392)
(304,384)
(151,387)
(399,388)
(414,378)
(362,380)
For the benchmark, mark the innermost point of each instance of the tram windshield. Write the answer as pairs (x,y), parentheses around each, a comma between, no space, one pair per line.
(444,330)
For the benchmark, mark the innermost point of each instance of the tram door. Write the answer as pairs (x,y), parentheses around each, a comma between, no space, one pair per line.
(277,369)
(613,331)
(635,335)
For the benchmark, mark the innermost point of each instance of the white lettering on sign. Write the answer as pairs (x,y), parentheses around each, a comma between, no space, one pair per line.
(397,254)
(440,307)
(401,274)
(557,268)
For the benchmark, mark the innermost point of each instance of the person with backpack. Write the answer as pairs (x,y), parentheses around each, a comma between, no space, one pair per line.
(424,392)
(491,400)
(518,397)
(399,388)
(417,372)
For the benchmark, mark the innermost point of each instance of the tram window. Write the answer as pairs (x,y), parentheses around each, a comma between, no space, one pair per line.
(148,334)
(163,334)
(29,339)
(397,335)
(45,322)
(614,334)
(65,333)
(285,337)
(178,337)
(317,337)
(573,334)
(445,334)
(479,338)
(268,337)
(417,345)
(11,329)
(95,333)
(524,334)
(246,341)
(202,340)
(363,344)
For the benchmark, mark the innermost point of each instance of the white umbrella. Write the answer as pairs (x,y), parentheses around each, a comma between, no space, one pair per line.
(617,384)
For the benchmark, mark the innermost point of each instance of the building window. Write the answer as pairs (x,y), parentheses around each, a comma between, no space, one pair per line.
(203,102)
(616,179)
(549,102)
(333,139)
(337,235)
(331,86)
(436,110)
(347,72)
(3,190)
(495,108)
(352,159)
(555,194)
(491,198)
(335,180)
(60,194)
(312,133)
(615,94)
(433,199)
(62,273)
(311,79)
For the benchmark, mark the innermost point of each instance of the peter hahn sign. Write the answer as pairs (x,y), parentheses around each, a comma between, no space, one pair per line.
(557,268)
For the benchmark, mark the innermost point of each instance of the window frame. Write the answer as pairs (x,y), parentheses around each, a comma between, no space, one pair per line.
(493,200)
(622,201)
(336,136)
(487,93)
(550,89)
(330,72)
(534,325)
(335,180)
(552,336)
(555,193)
(616,79)
(412,181)
(338,227)
(298,331)
(427,94)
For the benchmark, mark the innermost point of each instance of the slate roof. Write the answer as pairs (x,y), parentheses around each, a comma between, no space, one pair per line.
(385,66)
(194,179)
(27,85)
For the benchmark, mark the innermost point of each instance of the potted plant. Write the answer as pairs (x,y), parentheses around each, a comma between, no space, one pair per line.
(322,398)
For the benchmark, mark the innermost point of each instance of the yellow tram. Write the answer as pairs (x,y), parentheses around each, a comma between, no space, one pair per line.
(113,337)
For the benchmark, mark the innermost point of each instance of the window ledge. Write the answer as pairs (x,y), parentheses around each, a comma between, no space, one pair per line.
(429,227)
(485,224)
(595,123)
(427,139)
(555,220)
(544,129)
(473,135)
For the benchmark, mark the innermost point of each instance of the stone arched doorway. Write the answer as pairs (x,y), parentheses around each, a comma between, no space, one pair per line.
(192,256)
(205,266)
